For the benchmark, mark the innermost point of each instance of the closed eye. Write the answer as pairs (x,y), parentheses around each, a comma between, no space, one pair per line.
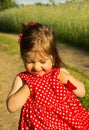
(43,62)
(29,62)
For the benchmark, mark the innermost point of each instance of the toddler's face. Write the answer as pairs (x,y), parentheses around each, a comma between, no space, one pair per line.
(37,63)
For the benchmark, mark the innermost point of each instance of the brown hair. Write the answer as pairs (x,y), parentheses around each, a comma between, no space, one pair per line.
(39,37)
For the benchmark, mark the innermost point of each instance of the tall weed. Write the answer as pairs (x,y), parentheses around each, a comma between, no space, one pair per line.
(69,20)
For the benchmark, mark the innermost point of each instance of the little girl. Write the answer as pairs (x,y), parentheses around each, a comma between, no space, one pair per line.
(46,92)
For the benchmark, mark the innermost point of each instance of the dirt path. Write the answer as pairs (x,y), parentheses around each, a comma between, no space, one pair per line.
(75,57)
(8,70)
(10,66)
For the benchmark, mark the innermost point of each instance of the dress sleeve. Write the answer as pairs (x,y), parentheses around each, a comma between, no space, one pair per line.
(22,75)
(71,86)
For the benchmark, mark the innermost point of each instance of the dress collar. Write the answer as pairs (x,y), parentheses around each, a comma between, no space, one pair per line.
(49,73)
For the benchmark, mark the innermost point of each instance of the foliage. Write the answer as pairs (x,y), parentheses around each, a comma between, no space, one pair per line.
(52,2)
(4,4)
(68,20)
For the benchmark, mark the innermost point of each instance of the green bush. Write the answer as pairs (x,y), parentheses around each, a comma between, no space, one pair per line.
(5,4)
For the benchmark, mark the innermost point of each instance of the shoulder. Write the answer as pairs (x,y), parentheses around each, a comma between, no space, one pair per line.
(17,84)
(17,79)
(63,70)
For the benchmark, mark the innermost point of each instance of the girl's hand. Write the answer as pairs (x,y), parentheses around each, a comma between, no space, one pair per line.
(65,76)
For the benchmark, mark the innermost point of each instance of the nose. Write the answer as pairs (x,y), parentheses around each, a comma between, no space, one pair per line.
(36,67)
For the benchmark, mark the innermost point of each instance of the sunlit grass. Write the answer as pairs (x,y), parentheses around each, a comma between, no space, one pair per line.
(83,77)
(70,22)
(9,45)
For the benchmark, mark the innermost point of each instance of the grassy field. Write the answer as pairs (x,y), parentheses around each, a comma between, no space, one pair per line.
(70,21)
(10,46)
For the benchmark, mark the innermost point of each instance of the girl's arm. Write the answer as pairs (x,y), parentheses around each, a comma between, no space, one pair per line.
(65,76)
(18,95)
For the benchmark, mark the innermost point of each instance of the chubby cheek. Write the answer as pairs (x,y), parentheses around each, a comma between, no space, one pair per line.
(28,68)
(47,67)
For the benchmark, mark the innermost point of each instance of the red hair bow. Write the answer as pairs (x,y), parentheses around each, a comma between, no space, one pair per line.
(31,23)
(20,37)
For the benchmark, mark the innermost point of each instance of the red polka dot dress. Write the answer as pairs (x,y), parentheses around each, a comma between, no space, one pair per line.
(51,105)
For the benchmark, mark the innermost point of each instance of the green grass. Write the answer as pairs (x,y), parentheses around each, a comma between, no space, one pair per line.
(70,21)
(83,77)
(11,47)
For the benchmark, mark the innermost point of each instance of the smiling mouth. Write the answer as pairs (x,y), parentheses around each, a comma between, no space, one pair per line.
(38,73)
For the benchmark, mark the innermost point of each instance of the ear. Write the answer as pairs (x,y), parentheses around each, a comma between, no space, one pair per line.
(52,59)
